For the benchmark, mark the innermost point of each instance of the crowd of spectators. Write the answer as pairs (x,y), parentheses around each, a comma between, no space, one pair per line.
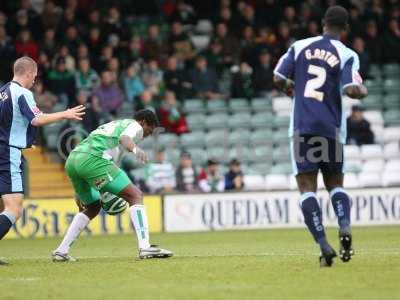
(97,48)
(110,55)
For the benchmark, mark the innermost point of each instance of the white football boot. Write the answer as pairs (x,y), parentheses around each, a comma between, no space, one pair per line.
(61,257)
(154,252)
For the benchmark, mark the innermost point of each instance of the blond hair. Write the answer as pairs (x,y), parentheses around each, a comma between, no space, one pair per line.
(23,65)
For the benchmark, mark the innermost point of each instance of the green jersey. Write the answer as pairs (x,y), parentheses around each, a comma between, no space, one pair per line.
(104,141)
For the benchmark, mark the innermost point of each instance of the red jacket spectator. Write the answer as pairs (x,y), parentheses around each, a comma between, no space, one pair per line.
(25,45)
(171,117)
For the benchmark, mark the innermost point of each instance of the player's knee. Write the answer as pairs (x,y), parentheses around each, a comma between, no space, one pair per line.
(15,207)
(92,210)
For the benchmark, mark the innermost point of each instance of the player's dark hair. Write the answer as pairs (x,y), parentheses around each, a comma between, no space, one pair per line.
(148,116)
(336,17)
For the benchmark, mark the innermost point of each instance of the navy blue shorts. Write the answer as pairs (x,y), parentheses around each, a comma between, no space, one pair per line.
(11,170)
(313,153)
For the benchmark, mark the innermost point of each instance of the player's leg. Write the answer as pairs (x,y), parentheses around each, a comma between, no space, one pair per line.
(306,171)
(89,208)
(122,186)
(333,180)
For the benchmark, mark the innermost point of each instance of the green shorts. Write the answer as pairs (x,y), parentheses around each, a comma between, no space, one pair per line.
(91,175)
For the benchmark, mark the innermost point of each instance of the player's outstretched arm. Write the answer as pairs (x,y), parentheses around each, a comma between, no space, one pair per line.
(356,91)
(285,85)
(74,113)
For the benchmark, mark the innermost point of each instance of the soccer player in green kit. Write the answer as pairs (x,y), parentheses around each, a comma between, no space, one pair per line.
(92,172)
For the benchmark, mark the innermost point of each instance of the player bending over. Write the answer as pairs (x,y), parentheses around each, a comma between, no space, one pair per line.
(19,119)
(317,71)
(91,170)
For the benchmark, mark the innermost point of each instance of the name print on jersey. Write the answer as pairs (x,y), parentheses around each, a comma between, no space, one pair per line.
(322,54)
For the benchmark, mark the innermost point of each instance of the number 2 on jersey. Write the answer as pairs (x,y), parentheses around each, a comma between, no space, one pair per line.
(312,85)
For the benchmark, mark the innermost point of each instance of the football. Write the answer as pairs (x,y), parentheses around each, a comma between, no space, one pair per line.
(112,205)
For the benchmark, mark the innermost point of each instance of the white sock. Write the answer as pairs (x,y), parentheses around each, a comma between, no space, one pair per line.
(79,223)
(139,221)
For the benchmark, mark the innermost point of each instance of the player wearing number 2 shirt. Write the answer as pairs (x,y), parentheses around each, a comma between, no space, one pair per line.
(317,71)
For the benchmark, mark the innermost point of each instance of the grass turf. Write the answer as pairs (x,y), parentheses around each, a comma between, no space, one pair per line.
(275,264)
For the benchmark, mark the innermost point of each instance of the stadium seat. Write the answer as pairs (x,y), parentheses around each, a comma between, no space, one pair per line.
(199,156)
(373,165)
(292,182)
(373,102)
(282,168)
(391,150)
(393,165)
(392,101)
(281,121)
(261,137)
(261,154)
(374,117)
(281,154)
(261,104)
(239,105)
(391,70)
(52,141)
(260,168)
(193,139)
(391,134)
(194,106)
(375,71)
(391,85)
(391,178)
(148,143)
(353,165)
(196,121)
(351,151)
(168,140)
(53,128)
(320,181)
(254,182)
(219,153)
(216,106)
(173,155)
(262,120)
(280,137)
(218,120)
(371,151)
(351,181)
(277,182)
(219,137)
(239,120)
(241,153)
(369,179)
(280,104)
(392,118)
(240,137)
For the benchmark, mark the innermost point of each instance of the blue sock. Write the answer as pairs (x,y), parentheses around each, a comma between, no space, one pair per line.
(341,205)
(313,217)
(7,219)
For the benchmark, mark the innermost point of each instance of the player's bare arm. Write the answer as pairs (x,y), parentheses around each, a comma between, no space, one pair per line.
(76,113)
(129,145)
(356,91)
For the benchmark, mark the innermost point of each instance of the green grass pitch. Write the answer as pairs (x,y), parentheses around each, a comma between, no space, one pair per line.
(268,264)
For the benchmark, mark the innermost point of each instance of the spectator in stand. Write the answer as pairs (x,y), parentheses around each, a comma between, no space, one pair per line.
(262,75)
(284,39)
(134,51)
(204,80)
(44,67)
(113,67)
(72,39)
(83,52)
(180,43)
(86,78)
(26,46)
(7,55)
(174,78)
(155,47)
(358,129)
(147,100)
(186,175)
(45,100)
(229,44)
(51,15)
(68,58)
(101,63)
(171,116)
(133,85)
(184,13)
(160,175)
(152,77)
(391,40)
(242,86)
(210,179)
(95,42)
(373,42)
(49,44)
(234,177)
(247,46)
(91,120)
(214,56)
(359,47)
(247,16)
(62,82)
(108,94)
